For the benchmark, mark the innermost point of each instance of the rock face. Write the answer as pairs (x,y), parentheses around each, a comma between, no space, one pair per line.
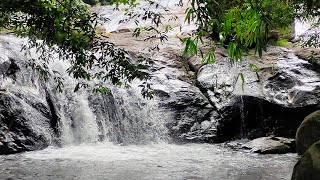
(270,145)
(213,108)
(193,103)
(21,129)
(26,119)
(271,101)
(308,132)
(192,114)
(33,115)
(308,167)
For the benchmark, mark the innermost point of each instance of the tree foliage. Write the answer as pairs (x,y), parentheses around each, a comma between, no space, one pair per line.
(68,28)
(239,24)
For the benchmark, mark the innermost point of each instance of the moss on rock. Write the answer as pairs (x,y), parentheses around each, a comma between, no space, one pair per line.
(308,167)
(308,132)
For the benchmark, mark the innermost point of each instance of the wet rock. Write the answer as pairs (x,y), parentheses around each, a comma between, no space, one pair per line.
(270,145)
(25,115)
(172,80)
(271,101)
(124,117)
(308,167)
(22,127)
(308,132)
(189,106)
(312,55)
(195,63)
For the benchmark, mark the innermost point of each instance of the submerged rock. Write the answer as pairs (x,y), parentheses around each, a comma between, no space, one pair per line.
(308,132)
(308,167)
(270,145)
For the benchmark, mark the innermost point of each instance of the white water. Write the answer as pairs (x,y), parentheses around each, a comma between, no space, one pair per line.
(154,161)
(137,121)
(301,27)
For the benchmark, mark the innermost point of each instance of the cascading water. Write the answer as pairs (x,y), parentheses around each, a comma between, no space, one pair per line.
(120,135)
(242,117)
(121,116)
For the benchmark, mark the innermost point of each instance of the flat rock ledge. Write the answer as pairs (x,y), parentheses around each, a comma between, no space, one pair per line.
(270,145)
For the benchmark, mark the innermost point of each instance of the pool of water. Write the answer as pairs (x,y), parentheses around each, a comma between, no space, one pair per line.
(154,161)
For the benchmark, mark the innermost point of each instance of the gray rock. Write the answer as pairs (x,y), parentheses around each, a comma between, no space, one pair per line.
(26,119)
(270,145)
(271,101)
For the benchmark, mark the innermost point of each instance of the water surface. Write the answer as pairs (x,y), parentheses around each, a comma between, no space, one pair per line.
(156,161)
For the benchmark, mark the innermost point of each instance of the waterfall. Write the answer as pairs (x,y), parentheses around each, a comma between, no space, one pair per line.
(121,116)
(82,117)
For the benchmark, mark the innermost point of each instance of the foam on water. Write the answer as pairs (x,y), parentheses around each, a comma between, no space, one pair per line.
(153,161)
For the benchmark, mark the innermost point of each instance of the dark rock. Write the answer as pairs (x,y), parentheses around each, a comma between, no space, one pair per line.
(308,167)
(191,111)
(272,101)
(308,132)
(25,115)
(23,128)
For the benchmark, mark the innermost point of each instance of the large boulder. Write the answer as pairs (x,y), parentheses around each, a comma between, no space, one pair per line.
(23,126)
(273,100)
(308,132)
(191,110)
(308,167)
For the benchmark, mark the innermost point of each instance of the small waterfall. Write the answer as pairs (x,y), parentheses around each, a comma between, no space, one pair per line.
(142,120)
(78,123)
(301,27)
(122,116)
(242,118)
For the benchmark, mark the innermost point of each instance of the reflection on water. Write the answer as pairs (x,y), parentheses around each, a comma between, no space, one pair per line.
(157,161)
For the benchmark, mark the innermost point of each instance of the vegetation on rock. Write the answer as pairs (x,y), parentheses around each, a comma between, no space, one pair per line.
(308,132)
(242,25)
(308,166)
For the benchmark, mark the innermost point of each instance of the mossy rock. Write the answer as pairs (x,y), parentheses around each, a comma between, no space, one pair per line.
(308,167)
(308,132)
(312,55)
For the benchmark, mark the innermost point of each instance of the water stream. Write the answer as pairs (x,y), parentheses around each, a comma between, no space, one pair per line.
(153,161)
(123,136)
